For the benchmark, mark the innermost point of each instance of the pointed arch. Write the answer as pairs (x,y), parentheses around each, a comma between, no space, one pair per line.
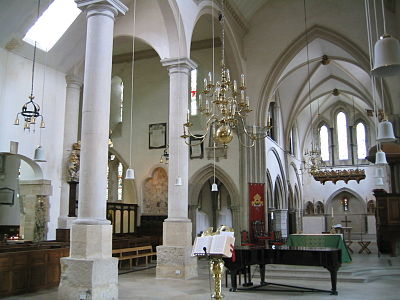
(196,183)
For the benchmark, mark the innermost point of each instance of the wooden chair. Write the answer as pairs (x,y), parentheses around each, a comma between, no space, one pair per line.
(277,239)
(244,238)
(259,232)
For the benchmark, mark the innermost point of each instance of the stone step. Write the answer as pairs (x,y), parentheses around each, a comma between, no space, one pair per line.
(287,272)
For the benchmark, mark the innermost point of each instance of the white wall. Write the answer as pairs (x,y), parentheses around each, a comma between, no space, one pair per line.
(15,84)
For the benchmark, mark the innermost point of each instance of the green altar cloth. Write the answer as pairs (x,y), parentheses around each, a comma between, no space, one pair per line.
(320,240)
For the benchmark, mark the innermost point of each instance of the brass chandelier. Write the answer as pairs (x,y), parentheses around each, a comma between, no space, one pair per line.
(225,106)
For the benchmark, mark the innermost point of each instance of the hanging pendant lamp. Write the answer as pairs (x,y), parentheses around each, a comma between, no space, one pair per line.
(379,181)
(380,158)
(130,174)
(379,173)
(178,181)
(39,155)
(387,57)
(385,132)
(214,187)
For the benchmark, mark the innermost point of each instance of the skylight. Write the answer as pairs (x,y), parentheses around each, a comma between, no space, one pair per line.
(52,24)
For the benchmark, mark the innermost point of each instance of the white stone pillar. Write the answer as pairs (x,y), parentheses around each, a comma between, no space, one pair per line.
(90,270)
(281,224)
(73,92)
(173,257)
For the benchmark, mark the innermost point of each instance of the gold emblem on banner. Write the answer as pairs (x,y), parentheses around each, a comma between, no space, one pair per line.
(257,200)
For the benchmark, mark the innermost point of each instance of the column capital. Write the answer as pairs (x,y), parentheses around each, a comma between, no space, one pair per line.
(73,80)
(117,5)
(178,65)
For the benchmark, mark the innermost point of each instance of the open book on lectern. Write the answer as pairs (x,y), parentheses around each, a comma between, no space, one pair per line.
(214,244)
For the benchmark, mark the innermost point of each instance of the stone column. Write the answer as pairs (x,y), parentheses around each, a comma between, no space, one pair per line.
(236,223)
(281,216)
(90,272)
(173,257)
(70,137)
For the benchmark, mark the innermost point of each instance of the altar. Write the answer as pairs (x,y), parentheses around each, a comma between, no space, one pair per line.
(320,240)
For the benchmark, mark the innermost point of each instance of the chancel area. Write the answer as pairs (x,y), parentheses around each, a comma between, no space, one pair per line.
(131,127)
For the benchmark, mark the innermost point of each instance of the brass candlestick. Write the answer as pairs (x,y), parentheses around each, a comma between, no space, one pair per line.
(217,269)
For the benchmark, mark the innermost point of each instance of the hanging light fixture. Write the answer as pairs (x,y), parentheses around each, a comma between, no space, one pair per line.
(224,104)
(379,181)
(380,158)
(31,110)
(39,155)
(386,53)
(385,132)
(130,173)
(164,158)
(313,162)
(379,173)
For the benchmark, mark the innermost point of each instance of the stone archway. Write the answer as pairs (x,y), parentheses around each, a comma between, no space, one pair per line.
(347,208)
(196,184)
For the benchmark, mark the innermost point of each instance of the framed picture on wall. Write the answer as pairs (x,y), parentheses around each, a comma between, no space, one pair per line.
(196,148)
(157,135)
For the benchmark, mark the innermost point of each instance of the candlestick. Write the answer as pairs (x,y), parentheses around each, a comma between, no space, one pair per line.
(210,77)
(242,80)
(234,86)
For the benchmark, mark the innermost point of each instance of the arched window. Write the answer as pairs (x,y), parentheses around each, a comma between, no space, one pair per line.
(319,208)
(309,208)
(120,172)
(342,135)
(193,92)
(361,144)
(121,103)
(271,120)
(324,142)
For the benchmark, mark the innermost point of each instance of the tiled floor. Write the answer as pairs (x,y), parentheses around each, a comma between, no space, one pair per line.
(383,275)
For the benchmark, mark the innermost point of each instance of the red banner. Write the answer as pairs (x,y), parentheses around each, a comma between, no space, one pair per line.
(256,204)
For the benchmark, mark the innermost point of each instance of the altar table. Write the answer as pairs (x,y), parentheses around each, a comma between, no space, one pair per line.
(320,240)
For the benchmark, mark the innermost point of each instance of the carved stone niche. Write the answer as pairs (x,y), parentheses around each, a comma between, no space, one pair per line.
(34,197)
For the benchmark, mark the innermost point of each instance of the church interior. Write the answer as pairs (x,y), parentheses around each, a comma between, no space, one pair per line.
(131,127)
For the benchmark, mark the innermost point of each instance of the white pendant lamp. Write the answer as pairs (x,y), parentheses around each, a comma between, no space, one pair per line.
(380,158)
(39,155)
(379,173)
(387,57)
(178,181)
(385,132)
(379,181)
(214,187)
(130,174)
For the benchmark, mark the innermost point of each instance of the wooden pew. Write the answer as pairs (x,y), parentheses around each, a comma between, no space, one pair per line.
(134,253)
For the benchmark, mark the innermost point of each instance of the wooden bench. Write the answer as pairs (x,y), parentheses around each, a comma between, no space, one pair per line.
(134,253)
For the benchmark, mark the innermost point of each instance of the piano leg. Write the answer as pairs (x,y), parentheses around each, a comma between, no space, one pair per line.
(247,276)
(333,270)
(262,275)
(233,281)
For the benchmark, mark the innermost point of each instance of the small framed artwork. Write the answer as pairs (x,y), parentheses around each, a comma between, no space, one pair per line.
(196,147)
(7,196)
(157,135)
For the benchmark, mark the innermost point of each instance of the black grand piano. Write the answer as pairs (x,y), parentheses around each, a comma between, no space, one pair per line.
(245,256)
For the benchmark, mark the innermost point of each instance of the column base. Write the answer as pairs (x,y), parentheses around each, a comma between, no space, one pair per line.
(91,279)
(173,257)
(176,262)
